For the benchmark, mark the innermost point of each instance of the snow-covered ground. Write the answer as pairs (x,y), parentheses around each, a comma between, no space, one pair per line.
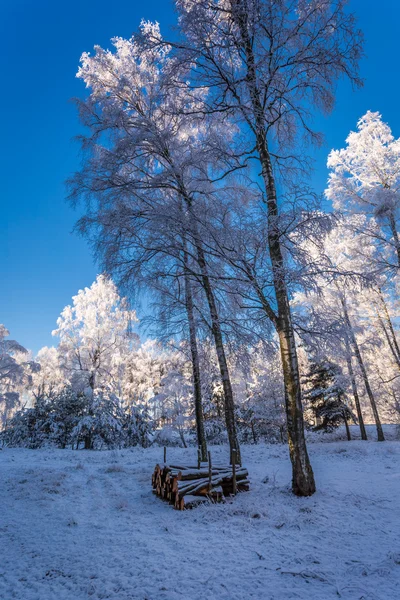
(78,525)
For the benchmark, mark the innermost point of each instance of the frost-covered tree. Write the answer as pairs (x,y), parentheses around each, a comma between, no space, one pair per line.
(170,123)
(148,174)
(174,398)
(365,178)
(143,368)
(16,370)
(50,379)
(95,336)
(336,315)
(262,406)
(265,64)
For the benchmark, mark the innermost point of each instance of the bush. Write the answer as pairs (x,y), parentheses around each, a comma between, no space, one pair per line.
(74,419)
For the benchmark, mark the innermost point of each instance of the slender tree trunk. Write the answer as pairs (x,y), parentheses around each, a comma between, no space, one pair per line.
(381,437)
(392,339)
(392,223)
(253,431)
(347,427)
(198,404)
(88,439)
(229,405)
(389,340)
(181,435)
(355,391)
(303,483)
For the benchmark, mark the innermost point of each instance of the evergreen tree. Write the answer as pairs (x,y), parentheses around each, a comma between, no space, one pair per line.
(325,392)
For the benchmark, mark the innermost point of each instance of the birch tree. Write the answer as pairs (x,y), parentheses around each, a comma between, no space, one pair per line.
(265,64)
(148,172)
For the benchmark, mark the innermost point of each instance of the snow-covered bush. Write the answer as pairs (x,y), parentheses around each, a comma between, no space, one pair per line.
(28,428)
(77,420)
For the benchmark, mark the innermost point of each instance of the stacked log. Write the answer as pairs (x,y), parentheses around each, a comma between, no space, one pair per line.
(186,486)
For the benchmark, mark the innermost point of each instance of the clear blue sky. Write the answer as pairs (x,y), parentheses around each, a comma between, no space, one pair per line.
(42,263)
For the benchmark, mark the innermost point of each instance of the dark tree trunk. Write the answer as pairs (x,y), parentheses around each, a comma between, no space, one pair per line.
(88,438)
(355,392)
(392,223)
(229,405)
(381,437)
(347,427)
(181,435)
(303,483)
(388,329)
(198,404)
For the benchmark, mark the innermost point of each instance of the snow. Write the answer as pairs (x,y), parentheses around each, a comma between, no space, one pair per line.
(85,525)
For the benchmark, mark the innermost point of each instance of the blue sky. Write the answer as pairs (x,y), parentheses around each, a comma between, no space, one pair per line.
(42,262)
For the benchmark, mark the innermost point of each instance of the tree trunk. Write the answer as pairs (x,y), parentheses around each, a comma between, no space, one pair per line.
(198,404)
(381,437)
(355,391)
(395,234)
(303,483)
(390,324)
(181,435)
(229,405)
(347,427)
(389,329)
(389,341)
(302,475)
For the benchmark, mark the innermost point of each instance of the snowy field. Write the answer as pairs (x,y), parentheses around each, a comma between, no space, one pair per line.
(77,525)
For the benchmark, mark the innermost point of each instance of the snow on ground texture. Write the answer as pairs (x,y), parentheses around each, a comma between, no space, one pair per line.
(85,525)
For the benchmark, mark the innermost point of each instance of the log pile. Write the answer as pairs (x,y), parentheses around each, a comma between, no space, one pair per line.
(186,486)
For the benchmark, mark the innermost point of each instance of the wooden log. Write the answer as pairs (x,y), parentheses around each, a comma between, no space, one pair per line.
(204,481)
(203,465)
(197,485)
(190,474)
(242,486)
(192,501)
(155,475)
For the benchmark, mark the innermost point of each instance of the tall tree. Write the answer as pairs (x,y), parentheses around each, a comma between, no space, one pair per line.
(365,178)
(265,64)
(148,169)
